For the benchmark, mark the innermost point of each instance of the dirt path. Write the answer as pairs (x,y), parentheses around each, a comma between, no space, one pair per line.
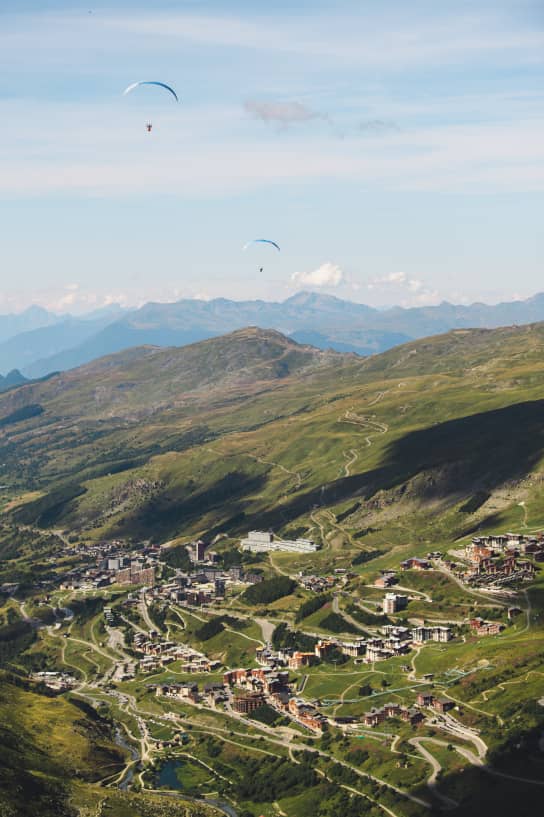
(379,396)
(364,422)
(295,474)
(324,536)
(503,684)
(412,675)
(351,456)
(343,696)
(281,467)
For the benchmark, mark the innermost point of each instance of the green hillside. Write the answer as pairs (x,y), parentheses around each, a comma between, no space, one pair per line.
(51,750)
(152,442)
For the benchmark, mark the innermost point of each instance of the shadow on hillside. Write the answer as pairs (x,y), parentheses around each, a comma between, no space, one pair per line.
(480,793)
(164,514)
(456,458)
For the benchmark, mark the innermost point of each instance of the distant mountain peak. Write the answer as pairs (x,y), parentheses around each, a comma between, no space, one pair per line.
(307,298)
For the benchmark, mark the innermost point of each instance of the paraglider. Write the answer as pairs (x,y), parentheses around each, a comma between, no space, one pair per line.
(262,241)
(166,87)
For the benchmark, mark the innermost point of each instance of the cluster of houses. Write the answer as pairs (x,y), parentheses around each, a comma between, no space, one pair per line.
(208,584)
(396,641)
(493,561)
(502,559)
(259,679)
(393,641)
(427,699)
(376,716)
(211,694)
(388,578)
(317,584)
(298,659)
(113,565)
(112,562)
(256,687)
(157,652)
(411,715)
(480,627)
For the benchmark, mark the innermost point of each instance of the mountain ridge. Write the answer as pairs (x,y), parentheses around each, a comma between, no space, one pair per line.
(327,320)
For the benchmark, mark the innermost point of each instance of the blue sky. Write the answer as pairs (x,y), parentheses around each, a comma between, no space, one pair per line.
(395,150)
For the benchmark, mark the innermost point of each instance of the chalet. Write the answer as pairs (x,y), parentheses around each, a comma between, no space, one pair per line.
(414,563)
(302,659)
(480,627)
(442,704)
(374,717)
(186,691)
(306,714)
(412,716)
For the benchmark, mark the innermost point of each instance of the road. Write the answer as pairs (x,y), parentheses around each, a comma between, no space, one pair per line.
(144,612)
(359,628)
(436,767)
(267,628)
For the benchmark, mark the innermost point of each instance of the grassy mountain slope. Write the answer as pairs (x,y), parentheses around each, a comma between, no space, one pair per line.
(252,429)
(52,751)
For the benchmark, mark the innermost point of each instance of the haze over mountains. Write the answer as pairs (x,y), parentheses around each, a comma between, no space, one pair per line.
(37,342)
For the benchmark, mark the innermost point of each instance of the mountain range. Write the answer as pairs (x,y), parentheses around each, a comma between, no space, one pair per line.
(38,342)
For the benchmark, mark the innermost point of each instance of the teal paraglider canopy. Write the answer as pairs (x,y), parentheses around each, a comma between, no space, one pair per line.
(262,241)
(151,82)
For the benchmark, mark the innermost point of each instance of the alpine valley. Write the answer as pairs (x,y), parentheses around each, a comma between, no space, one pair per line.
(251,576)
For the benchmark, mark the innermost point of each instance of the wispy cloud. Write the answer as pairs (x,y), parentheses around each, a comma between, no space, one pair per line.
(106,152)
(76,299)
(338,36)
(282,113)
(377,127)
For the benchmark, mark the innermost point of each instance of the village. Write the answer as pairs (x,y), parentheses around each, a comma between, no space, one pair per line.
(243,691)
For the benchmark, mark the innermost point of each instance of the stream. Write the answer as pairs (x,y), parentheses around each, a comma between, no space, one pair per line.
(121,741)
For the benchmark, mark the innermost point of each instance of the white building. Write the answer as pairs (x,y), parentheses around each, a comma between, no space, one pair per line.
(393,602)
(263,542)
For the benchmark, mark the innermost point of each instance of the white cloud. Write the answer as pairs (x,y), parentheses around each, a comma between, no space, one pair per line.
(404,289)
(327,275)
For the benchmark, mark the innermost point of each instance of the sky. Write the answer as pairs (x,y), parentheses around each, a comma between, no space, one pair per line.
(394,150)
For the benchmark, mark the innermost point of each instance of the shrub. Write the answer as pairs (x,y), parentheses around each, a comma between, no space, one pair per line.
(311,606)
(212,627)
(269,590)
